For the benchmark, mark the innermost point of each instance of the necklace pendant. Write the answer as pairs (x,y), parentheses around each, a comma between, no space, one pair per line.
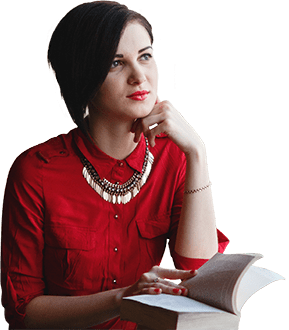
(116,193)
(127,197)
(118,199)
(135,192)
(105,195)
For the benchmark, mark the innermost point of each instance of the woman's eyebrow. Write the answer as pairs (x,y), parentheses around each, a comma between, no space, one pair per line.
(140,51)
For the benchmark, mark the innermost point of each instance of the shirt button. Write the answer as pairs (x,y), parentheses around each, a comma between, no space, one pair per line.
(115,249)
(121,164)
(116,216)
(114,281)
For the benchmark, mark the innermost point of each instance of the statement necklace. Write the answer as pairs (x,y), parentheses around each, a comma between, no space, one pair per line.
(116,193)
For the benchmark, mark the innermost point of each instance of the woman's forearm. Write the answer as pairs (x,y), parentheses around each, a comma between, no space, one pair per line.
(55,312)
(63,312)
(197,235)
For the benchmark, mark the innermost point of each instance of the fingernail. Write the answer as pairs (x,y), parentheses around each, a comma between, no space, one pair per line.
(192,271)
(157,290)
(176,290)
(183,291)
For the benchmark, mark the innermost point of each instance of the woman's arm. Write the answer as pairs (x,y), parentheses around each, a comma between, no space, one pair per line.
(197,233)
(55,312)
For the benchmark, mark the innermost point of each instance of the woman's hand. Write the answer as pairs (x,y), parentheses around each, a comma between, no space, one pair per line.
(170,122)
(154,282)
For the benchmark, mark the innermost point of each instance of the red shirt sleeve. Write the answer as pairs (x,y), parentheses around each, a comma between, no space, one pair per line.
(179,261)
(22,238)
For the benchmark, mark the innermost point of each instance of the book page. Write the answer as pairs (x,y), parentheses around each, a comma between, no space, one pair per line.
(253,280)
(216,281)
(179,304)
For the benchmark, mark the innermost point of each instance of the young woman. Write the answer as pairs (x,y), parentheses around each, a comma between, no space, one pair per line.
(87,214)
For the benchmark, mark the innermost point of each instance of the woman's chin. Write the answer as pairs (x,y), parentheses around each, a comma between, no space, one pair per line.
(143,110)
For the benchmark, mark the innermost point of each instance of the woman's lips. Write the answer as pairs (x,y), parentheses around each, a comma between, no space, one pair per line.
(138,96)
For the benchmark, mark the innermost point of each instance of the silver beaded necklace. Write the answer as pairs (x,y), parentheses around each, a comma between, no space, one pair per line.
(116,193)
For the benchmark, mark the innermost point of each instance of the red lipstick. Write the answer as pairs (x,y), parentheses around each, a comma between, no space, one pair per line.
(139,95)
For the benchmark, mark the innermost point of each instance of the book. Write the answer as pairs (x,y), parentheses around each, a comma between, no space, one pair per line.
(214,302)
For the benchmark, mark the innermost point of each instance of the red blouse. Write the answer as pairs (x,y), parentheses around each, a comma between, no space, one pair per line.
(60,237)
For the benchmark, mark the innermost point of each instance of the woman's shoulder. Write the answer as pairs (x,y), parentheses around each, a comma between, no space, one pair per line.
(35,157)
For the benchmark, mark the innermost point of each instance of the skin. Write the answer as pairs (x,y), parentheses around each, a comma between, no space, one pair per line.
(112,114)
(116,124)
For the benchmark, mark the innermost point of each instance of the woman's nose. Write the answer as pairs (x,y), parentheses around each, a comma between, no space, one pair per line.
(136,76)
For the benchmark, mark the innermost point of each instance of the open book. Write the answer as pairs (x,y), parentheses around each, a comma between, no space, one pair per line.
(216,296)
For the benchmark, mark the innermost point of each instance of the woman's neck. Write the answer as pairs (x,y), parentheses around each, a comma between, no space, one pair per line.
(112,137)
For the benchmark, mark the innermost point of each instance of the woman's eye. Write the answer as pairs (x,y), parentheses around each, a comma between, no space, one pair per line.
(115,64)
(146,57)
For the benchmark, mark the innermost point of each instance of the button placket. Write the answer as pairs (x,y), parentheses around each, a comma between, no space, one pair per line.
(115,237)
(114,259)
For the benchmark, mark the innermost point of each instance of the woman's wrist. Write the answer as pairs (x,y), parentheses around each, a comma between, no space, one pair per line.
(197,173)
(196,150)
(196,154)
(120,294)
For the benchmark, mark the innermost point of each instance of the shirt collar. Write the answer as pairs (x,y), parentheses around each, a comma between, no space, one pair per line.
(102,162)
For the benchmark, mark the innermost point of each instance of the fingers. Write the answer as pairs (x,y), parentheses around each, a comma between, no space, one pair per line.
(155,282)
(156,279)
(165,289)
(134,125)
(151,132)
(173,274)
(162,116)
(142,124)
(161,286)
(193,274)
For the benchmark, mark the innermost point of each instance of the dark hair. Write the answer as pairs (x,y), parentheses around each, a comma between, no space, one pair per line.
(82,48)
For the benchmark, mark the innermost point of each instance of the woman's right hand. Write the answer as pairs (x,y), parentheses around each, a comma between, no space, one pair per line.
(156,281)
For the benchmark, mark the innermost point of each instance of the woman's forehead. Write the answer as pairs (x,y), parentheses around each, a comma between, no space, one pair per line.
(134,38)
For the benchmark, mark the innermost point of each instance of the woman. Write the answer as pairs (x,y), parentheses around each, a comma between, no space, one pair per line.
(87,214)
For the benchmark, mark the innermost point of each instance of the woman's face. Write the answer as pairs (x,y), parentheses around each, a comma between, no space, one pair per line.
(133,71)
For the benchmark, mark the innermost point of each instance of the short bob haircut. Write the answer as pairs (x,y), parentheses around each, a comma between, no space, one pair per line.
(82,49)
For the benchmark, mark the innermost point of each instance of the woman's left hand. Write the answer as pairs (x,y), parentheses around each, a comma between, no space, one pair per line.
(170,122)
